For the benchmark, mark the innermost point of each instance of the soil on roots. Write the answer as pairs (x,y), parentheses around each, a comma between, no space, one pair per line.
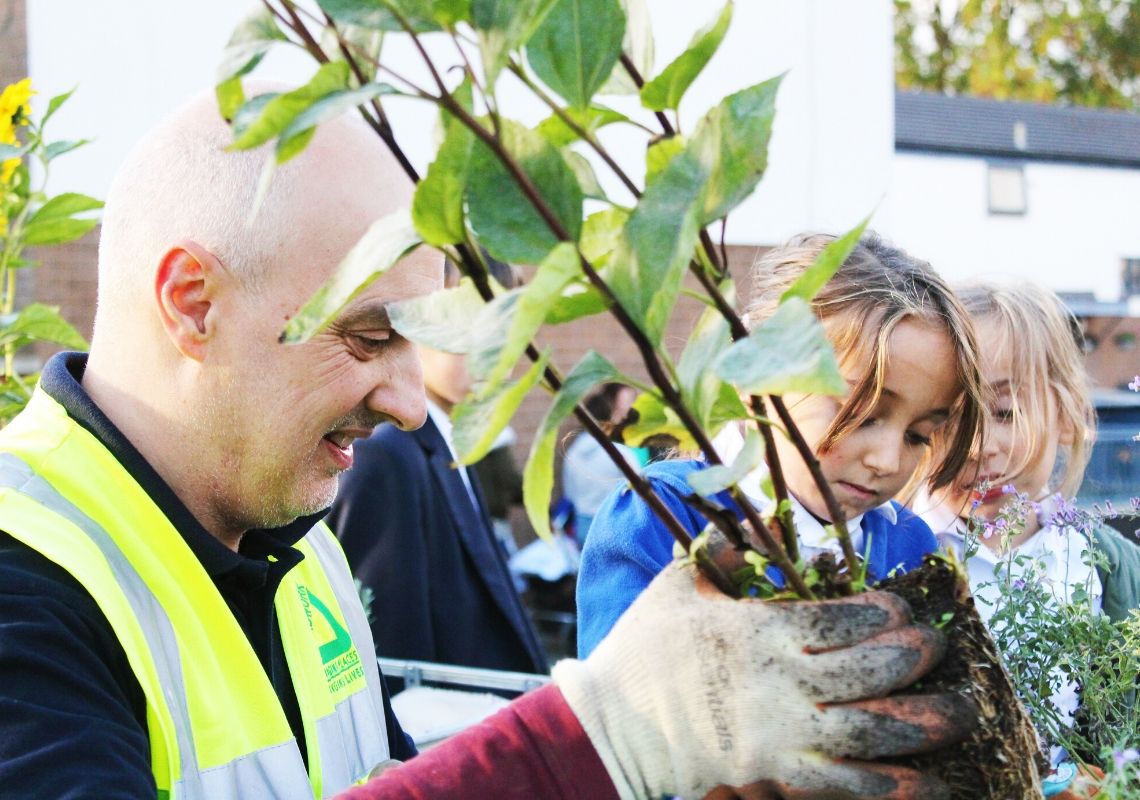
(1001,759)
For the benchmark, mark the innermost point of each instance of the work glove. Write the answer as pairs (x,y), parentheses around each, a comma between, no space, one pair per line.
(693,689)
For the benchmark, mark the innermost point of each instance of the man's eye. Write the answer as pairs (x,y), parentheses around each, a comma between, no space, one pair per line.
(1002,414)
(369,343)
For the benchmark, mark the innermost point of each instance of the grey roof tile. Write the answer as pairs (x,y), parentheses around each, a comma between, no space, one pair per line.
(926,121)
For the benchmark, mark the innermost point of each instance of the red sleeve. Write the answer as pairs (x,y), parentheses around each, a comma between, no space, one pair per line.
(535,747)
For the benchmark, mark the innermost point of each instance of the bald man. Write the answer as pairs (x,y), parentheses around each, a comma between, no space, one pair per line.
(175,621)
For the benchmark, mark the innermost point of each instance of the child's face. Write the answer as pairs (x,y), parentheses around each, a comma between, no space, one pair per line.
(1005,448)
(872,463)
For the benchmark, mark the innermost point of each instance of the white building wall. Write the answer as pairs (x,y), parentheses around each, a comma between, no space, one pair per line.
(1080,222)
(831,152)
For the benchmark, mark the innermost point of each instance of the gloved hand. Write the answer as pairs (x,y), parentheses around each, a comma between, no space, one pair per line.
(692,689)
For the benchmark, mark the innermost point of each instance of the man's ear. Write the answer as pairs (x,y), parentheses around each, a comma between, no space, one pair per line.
(185,289)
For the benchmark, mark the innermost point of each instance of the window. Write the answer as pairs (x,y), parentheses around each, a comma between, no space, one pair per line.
(1005,184)
(1130,278)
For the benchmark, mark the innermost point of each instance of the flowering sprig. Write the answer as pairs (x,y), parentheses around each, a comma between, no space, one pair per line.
(1048,641)
(30,217)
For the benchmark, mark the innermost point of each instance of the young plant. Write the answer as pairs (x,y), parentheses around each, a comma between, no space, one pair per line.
(525,196)
(29,217)
(531,196)
(1050,643)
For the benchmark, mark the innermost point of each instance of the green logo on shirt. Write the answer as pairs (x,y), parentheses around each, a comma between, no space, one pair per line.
(338,655)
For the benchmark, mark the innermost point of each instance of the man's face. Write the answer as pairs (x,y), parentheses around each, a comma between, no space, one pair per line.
(285,416)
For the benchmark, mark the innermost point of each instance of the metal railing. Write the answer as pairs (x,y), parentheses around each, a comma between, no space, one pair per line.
(416,673)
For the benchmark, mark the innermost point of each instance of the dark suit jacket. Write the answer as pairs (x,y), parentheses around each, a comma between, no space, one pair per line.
(411,534)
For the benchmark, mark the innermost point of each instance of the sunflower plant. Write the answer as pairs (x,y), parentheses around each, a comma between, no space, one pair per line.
(29,217)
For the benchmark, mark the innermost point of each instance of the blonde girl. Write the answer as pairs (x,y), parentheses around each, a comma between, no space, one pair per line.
(1039,434)
(1012,500)
(905,347)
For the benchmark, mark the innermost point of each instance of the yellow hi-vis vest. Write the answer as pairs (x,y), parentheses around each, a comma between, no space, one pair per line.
(217,729)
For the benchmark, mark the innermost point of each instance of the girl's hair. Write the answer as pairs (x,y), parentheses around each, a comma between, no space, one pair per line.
(875,289)
(1043,341)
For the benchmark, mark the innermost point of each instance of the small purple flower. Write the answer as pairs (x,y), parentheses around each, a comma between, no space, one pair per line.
(1134,384)
(1009,488)
(974,505)
(1122,757)
(1135,502)
(1019,584)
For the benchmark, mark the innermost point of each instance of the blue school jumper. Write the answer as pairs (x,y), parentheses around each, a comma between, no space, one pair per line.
(628,545)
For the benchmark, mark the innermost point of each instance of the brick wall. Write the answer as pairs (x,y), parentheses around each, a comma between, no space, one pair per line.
(13,41)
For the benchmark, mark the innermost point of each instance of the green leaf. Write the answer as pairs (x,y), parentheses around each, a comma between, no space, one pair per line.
(707,482)
(700,386)
(230,95)
(601,233)
(732,142)
(505,26)
(65,205)
(538,473)
(584,172)
(381,14)
(559,134)
(534,303)
(9,151)
(54,104)
(727,408)
(478,421)
(384,243)
(438,205)
(56,149)
(575,48)
(637,45)
(448,13)
(659,154)
(500,214)
(446,320)
(579,299)
(57,230)
(250,111)
(280,111)
(654,418)
(298,133)
(667,89)
(657,244)
(248,44)
(788,352)
(39,323)
(827,263)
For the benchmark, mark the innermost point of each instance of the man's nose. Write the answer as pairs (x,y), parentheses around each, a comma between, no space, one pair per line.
(398,393)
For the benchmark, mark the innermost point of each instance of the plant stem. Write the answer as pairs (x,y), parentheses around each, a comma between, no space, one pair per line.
(627,62)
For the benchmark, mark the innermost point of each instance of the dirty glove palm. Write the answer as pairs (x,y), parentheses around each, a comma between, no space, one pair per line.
(692,689)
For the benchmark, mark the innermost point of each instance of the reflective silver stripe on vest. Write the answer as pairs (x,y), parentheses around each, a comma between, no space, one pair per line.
(353,739)
(275,772)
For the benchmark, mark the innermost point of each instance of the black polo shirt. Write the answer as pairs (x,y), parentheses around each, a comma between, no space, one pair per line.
(72,714)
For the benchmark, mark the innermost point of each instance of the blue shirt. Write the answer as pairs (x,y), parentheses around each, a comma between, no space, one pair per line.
(628,545)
